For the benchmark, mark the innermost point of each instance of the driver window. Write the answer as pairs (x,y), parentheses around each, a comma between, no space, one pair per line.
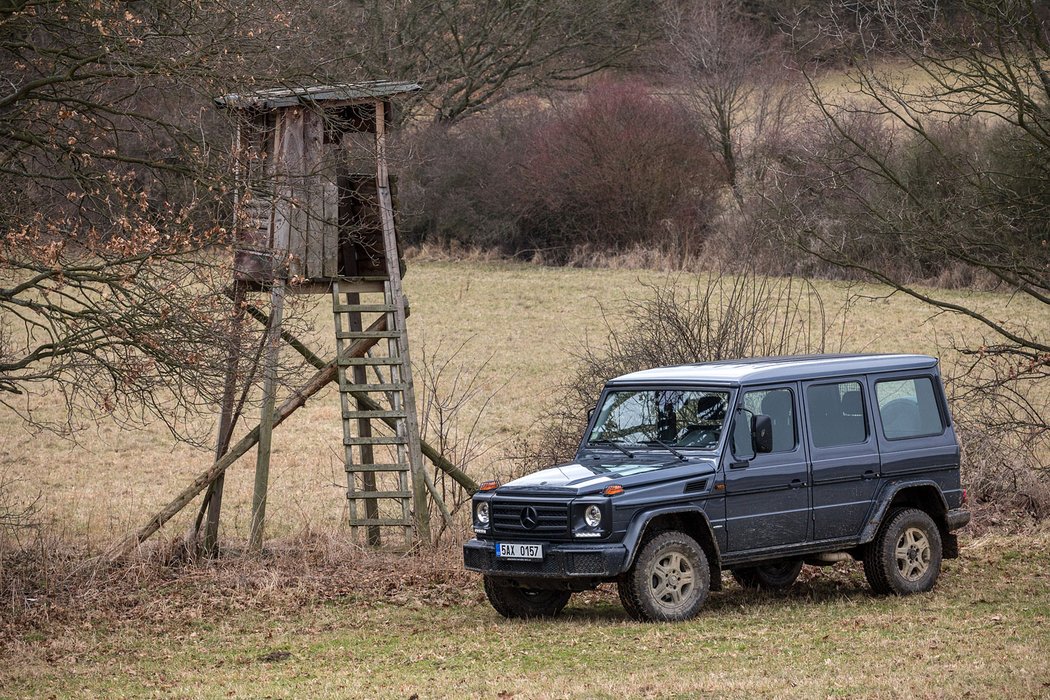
(779,405)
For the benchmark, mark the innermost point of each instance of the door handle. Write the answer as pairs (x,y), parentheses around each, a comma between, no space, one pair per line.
(797,483)
(739,465)
(869,474)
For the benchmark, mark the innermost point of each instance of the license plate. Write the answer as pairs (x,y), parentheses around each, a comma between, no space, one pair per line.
(513,550)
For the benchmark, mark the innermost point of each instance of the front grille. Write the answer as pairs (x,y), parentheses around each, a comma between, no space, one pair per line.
(530,518)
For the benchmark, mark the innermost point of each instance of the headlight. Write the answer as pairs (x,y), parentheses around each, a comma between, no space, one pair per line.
(592,516)
(482,513)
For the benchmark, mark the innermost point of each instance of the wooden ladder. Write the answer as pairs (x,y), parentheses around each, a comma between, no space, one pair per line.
(386,484)
(380,430)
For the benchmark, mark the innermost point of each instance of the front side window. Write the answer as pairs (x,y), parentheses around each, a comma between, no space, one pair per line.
(661,417)
(779,405)
(908,408)
(836,414)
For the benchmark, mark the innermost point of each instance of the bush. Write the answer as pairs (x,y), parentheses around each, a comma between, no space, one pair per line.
(611,170)
(721,316)
(616,169)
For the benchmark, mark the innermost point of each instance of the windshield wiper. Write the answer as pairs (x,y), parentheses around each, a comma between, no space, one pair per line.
(615,444)
(670,449)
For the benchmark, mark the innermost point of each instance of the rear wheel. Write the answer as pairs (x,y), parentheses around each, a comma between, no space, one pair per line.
(773,576)
(905,556)
(669,580)
(514,602)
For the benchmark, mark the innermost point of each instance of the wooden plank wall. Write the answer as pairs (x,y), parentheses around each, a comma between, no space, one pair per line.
(309,199)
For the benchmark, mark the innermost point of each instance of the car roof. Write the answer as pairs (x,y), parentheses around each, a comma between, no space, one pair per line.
(774,369)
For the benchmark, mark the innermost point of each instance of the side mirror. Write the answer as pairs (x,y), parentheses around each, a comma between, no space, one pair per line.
(590,415)
(743,442)
(762,433)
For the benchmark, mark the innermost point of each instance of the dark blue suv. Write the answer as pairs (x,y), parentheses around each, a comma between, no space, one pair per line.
(756,466)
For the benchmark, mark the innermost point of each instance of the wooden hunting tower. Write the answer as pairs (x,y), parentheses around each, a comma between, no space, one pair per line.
(315,213)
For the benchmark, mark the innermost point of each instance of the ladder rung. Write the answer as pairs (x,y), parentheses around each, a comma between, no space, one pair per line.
(349,415)
(377,440)
(357,522)
(363,308)
(378,468)
(357,335)
(371,387)
(368,361)
(379,494)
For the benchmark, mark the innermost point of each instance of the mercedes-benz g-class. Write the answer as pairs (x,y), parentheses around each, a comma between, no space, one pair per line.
(755,466)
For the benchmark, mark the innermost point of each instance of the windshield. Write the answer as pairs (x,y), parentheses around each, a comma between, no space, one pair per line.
(661,418)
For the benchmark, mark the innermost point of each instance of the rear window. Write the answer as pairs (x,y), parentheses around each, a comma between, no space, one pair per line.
(908,408)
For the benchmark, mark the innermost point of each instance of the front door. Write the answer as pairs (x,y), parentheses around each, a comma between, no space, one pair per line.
(767,495)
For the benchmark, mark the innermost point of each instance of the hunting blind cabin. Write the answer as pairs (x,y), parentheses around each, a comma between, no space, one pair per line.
(315,214)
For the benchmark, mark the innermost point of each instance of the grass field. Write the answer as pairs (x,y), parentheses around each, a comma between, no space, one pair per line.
(318,617)
(425,632)
(518,326)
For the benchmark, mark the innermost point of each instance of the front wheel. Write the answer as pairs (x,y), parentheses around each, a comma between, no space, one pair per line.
(905,556)
(669,580)
(514,602)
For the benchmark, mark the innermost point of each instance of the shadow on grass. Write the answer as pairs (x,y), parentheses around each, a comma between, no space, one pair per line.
(603,605)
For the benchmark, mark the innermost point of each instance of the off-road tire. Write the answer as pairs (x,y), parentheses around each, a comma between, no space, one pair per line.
(669,580)
(772,576)
(514,602)
(905,556)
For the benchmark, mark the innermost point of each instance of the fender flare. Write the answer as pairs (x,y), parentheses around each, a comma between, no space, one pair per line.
(638,525)
(889,492)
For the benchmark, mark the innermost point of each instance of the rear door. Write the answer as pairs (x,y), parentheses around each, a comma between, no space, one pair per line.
(844,455)
(767,495)
(915,434)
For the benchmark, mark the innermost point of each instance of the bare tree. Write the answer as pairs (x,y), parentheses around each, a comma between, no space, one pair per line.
(113,198)
(941,169)
(472,55)
(735,79)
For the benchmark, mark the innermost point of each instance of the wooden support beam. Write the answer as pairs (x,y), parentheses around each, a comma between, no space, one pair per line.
(393,266)
(321,379)
(227,420)
(262,460)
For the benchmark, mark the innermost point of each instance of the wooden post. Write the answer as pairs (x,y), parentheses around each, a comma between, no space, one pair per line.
(262,460)
(226,423)
(393,264)
(373,533)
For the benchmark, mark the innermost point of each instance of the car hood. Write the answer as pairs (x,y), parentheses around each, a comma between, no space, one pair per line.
(591,476)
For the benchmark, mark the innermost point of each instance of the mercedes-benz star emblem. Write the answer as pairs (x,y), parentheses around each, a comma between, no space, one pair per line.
(529,517)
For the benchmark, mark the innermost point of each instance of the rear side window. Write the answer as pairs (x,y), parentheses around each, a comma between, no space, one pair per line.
(836,414)
(908,408)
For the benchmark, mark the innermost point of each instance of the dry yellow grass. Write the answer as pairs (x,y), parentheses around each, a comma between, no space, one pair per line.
(521,322)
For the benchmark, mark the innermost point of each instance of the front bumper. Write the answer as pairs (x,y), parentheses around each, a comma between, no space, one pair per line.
(560,561)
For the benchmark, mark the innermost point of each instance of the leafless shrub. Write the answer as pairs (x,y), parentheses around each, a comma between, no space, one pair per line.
(718,317)
(17,511)
(999,404)
(452,403)
(611,169)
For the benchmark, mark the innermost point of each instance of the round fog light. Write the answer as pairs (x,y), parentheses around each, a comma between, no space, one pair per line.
(483,513)
(593,516)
